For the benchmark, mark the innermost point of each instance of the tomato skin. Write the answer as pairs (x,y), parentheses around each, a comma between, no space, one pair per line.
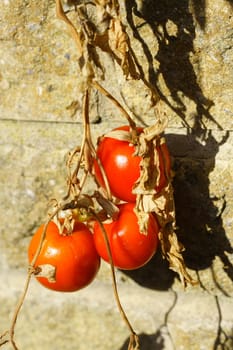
(122,167)
(74,256)
(130,249)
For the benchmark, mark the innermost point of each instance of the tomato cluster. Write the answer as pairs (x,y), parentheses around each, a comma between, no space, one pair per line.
(117,163)
(76,256)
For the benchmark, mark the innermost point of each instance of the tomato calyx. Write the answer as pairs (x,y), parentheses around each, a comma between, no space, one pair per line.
(124,133)
(66,215)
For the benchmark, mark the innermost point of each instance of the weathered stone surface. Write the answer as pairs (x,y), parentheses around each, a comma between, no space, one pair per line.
(185,48)
(89,318)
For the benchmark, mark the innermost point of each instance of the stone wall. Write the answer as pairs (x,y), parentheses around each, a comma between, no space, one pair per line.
(186,51)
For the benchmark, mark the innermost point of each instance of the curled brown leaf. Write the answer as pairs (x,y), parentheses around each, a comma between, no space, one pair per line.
(161,204)
(46,270)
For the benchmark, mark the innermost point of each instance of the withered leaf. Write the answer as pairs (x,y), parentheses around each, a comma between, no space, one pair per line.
(122,135)
(109,207)
(172,250)
(115,42)
(119,44)
(160,204)
(118,39)
(46,270)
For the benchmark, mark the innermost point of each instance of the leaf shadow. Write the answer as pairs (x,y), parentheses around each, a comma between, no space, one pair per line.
(148,341)
(231,2)
(199,216)
(174,51)
(156,341)
(154,275)
(223,340)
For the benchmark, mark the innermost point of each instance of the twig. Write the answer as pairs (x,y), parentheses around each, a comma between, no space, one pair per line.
(31,271)
(2,340)
(134,339)
(18,308)
(61,15)
(117,104)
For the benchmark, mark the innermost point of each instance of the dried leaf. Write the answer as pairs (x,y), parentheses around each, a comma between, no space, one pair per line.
(110,6)
(46,270)
(172,251)
(151,133)
(149,170)
(122,135)
(109,207)
(4,338)
(162,203)
(115,41)
(118,39)
(118,42)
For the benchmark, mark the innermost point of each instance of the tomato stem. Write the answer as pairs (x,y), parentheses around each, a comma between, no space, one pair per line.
(31,270)
(18,308)
(90,152)
(61,15)
(85,154)
(117,103)
(134,339)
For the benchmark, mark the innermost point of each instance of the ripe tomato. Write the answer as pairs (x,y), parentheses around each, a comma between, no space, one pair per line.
(122,167)
(74,256)
(130,249)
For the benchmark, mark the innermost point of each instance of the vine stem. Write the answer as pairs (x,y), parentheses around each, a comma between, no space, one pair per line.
(134,339)
(90,152)
(87,153)
(82,152)
(61,15)
(106,93)
(18,308)
(31,271)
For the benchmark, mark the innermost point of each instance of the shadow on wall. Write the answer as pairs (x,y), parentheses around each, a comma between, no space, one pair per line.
(231,2)
(174,50)
(199,220)
(198,215)
(148,342)
(156,341)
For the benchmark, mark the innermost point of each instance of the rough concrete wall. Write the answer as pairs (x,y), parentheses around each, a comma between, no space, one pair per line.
(186,49)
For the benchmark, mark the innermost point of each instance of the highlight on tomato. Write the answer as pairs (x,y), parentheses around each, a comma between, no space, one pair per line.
(122,167)
(130,248)
(74,257)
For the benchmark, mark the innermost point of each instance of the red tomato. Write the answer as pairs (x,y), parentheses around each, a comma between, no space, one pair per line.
(130,249)
(74,256)
(122,167)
